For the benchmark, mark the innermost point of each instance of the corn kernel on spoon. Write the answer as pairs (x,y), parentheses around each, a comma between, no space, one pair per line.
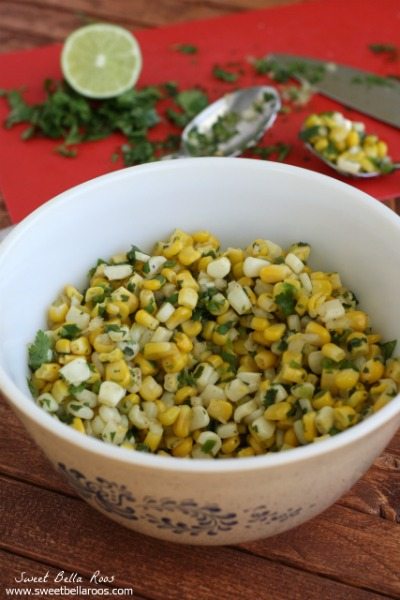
(359,174)
(230,124)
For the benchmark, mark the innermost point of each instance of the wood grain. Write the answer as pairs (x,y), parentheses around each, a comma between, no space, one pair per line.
(79,529)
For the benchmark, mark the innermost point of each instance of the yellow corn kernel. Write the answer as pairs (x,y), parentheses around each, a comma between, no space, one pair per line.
(333,352)
(257,447)
(322,334)
(153,439)
(142,317)
(175,363)
(392,369)
(179,316)
(183,448)
(169,275)
(173,249)
(278,411)
(324,399)
(59,390)
(237,270)
(181,426)
(221,410)
(321,286)
(235,255)
(220,339)
(150,390)
(145,365)
(185,279)
(118,309)
(239,347)
(81,346)
(320,144)
(112,356)
(346,379)
(72,293)
(48,372)
(344,416)
(158,350)
(301,304)
(382,149)
(312,121)
(98,280)
(77,424)
(58,312)
(118,371)
(132,399)
(357,399)
(63,346)
(290,438)
(310,430)
(373,351)
(247,364)
(208,329)
(183,342)
(245,452)
(191,328)
(381,401)
(245,281)
(274,333)
(204,262)
(374,338)
(372,371)
(357,319)
(229,445)
(169,416)
(258,338)
(184,393)
(215,360)
(127,445)
(103,343)
(290,356)
(314,302)
(188,297)
(201,236)
(292,374)
(188,255)
(259,323)
(352,139)
(153,285)
(265,359)
(274,273)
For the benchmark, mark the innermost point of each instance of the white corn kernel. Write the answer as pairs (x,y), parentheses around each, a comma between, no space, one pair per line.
(165,311)
(332,309)
(78,317)
(200,418)
(238,298)
(294,262)
(236,389)
(110,393)
(114,272)
(252,266)
(76,372)
(244,410)
(219,268)
(154,265)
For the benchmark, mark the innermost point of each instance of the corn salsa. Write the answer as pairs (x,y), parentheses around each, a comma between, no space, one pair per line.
(197,352)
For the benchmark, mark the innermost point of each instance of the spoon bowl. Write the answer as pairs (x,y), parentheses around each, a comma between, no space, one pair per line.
(231,124)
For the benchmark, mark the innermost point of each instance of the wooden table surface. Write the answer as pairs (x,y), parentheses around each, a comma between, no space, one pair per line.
(351,552)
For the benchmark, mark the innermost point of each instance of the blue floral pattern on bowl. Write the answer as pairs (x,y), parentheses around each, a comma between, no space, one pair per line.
(186,516)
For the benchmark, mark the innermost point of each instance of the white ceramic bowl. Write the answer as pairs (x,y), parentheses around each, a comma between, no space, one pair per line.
(196,501)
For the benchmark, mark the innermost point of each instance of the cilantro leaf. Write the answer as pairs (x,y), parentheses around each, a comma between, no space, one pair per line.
(40,351)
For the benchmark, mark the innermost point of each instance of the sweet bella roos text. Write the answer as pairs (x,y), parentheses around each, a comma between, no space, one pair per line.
(63,577)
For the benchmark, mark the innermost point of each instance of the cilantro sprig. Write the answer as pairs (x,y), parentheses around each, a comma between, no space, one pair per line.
(40,351)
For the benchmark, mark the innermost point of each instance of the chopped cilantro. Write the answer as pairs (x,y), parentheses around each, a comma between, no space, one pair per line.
(225,75)
(70,331)
(231,359)
(131,255)
(388,349)
(224,328)
(286,299)
(270,397)
(208,446)
(142,447)
(40,351)
(112,327)
(186,378)
(186,48)
(75,389)
(334,431)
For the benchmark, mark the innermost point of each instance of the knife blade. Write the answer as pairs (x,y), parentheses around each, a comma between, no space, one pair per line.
(374,95)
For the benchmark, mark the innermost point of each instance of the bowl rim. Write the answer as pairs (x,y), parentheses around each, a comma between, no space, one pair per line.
(25,404)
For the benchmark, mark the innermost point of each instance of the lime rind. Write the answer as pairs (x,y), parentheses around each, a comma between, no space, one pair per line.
(101,60)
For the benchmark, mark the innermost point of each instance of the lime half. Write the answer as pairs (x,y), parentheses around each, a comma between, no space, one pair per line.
(101,60)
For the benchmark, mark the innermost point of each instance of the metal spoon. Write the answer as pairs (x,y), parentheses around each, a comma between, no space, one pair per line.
(231,124)
(332,165)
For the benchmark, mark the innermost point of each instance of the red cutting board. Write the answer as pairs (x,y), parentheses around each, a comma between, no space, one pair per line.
(31,173)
